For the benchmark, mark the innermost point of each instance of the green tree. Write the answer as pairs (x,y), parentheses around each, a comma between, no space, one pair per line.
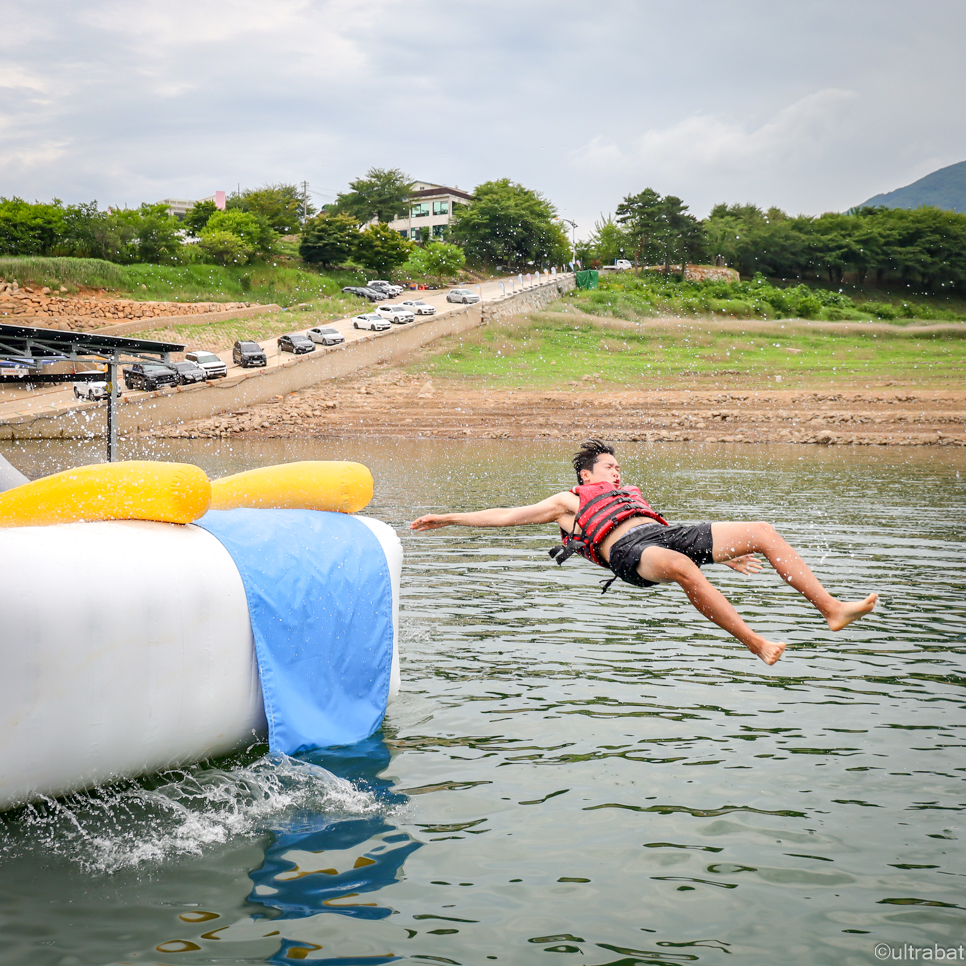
(641,218)
(680,234)
(328,239)
(257,234)
(509,225)
(225,247)
(751,240)
(438,260)
(281,206)
(381,249)
(383,194)
(30,229)
(149,234)
(196,217)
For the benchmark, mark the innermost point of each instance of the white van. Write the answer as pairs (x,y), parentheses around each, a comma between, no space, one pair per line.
(622,264)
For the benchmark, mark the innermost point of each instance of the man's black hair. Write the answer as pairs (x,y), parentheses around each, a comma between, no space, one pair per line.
(588,454)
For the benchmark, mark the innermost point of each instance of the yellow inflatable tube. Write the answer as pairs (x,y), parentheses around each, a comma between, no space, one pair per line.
(130,490)
(309,485)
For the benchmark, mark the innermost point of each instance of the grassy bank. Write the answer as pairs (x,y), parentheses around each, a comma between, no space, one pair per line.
(627,296)
(550,350)
(282,284)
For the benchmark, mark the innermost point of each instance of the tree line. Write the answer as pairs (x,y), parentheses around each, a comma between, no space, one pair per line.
(922,248)
(507,226)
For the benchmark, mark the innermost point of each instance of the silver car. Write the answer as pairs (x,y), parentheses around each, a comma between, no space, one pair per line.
(325,335)
(463,295)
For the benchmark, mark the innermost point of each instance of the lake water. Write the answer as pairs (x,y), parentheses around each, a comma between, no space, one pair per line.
(568,778)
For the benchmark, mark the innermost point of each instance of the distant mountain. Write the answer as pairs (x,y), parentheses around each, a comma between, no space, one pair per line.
(945,188)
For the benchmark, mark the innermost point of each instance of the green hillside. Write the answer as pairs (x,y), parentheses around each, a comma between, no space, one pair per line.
(945,188)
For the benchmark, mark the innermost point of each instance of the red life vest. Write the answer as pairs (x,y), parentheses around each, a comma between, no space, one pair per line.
(602,507)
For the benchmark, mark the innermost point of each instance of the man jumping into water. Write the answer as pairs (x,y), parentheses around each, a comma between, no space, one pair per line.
(614,527)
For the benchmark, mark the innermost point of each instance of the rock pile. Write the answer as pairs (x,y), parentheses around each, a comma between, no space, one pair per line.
(42,308)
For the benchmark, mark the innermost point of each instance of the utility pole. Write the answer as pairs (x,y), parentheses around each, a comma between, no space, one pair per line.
(305,201)
(573,234)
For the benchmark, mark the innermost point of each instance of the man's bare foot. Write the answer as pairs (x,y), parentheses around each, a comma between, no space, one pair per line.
(768,651)
(847,611)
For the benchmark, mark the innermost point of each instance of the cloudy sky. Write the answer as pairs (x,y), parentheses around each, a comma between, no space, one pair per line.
(813,106)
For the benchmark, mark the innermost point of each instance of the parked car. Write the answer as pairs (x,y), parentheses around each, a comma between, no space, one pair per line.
(374,295)
(463,295)
(371,321)
(622,264)
(296,343)
(149,376)
(188,372)
(396,313)
(96,389)
(213,366)
(325,335)
(248,354)
(419,307)
(381,285)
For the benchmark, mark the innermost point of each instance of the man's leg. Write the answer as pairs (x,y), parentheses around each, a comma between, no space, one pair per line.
(663,566)
(735,539)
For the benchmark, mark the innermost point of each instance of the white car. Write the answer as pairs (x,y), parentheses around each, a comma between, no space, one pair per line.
(369,320)
(213,366)
(398,314)
(463,295)
(381,285)
(91,390)
(419,307)
(325,335)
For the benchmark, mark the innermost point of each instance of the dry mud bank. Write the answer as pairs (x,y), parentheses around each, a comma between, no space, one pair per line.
(386,402)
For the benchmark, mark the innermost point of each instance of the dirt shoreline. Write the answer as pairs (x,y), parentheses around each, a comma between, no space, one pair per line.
(387,402)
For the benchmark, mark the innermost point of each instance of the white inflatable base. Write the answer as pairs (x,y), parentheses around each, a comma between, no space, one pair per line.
(126,648)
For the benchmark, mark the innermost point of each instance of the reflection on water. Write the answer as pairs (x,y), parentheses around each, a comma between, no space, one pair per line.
(320,865)
(602,779)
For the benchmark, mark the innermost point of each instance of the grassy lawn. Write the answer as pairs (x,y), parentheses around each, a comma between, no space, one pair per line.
(627,296)
(547,350)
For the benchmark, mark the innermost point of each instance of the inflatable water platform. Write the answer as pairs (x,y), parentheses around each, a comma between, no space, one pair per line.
(140,629)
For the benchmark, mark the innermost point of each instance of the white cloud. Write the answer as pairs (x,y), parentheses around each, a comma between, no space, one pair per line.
(711,147)
(16,77)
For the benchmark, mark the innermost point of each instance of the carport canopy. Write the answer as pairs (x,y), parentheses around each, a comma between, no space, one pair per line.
(25,348)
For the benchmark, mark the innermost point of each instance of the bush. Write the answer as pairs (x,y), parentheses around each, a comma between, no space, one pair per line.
(258,236)
(225,247)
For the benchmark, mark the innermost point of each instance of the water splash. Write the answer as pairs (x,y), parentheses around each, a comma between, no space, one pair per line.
(139,825)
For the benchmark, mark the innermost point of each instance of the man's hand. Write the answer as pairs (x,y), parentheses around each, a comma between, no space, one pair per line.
(746,564)
(432,521)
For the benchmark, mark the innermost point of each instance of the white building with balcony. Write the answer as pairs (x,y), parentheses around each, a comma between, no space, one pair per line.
(430,206)
(179,207)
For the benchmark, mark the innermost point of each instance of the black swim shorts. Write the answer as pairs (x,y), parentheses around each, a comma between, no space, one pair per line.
(693,541)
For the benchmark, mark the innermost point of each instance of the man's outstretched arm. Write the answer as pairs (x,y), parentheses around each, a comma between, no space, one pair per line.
(546,511)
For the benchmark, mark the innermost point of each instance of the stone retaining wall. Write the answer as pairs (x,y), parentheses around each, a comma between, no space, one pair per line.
(531,300)
(42,308)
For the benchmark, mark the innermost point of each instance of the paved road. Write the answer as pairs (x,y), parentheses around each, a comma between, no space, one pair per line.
(20,402)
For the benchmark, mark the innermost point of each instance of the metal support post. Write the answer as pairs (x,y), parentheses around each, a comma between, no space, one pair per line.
(112,411)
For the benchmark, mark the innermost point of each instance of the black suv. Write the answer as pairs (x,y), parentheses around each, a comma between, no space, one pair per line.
(248,354)
(297,344)
(149,375)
